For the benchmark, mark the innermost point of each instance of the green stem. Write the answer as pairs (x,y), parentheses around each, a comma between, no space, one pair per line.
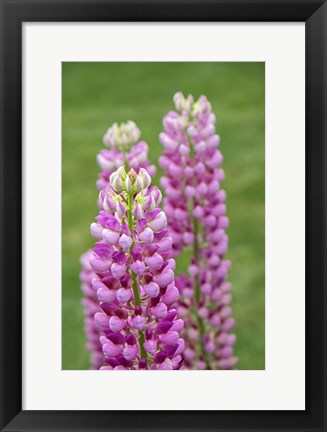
(135,290)
(197,277)
(124,158)
(136,293)
(196,256)
(197,292)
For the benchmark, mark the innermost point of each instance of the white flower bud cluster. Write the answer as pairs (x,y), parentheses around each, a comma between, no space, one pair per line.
(182,103)
(194,109)
(122,136)
(130,182)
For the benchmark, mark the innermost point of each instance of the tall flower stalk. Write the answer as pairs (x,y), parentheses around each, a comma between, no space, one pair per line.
(135,277)
(124,149)
(195,207)
(91,307)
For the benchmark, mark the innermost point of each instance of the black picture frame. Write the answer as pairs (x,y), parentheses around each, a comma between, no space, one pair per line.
(13,14)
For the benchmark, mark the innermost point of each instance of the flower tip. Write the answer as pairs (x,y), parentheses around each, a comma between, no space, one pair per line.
(178,99)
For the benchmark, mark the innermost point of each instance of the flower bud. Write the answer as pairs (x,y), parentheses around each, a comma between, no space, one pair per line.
(170,338)
(165,244)
(160,311)
(120,209)
(123,295)
(110,237)
(138,267)
(150,346)
(157,195)
(99,265)
(149,203)
(143,174)
(155,261)
(178,325)
(184,150)
(164,278)
(146,236)
(168,142)
(139,322)
(179,100)
(130,351)
(138,212)
(106,295)
(171,296)
(159,222)
(116,324)
(128,184)
(111,350)
(152,289)
(125,242)
(139,185)
(116,182)
(96,230)
(101,319)
(118,270)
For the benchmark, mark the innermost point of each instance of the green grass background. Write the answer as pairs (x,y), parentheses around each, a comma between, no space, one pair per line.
(94,95)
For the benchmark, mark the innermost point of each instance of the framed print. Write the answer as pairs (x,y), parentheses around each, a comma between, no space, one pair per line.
(163,215)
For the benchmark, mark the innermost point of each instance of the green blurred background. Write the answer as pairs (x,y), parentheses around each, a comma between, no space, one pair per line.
(94,95)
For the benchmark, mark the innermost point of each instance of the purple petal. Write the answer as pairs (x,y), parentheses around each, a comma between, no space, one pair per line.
(163,327)
(125,242)
(110,237)
(160,311)
(116,338)
(101,320)
(138,267)
(165,244)
(130,339)
(96,230)
(123,295)
(139,322)
(113,224)
(152,289)
(103,250)
(146,236)
(159,357)
(154,262)
(99,265)
(130,351)
(170,338)
(141,225)
(159,223)
(150,346)
(151,215)
(111,350)
(165,278)
(118,270)
(171,296)
(116,324)
(106,295)
(149,250)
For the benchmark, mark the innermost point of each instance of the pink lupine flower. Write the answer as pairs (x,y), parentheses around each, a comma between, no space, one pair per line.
(123,147)
(91,307)
(195,205)
(139,325)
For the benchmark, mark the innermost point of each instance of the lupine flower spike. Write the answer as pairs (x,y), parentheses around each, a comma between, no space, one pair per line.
(135,277)
(91,306)
(196,210)
(123,148)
